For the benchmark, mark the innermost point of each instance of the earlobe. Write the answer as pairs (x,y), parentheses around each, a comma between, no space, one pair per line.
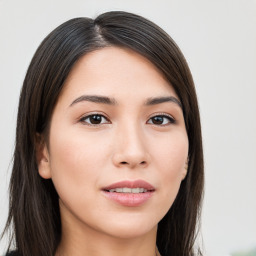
(185,170)
(42,157)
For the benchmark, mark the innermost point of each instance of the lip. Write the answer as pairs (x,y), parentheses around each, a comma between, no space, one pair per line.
(130,184)
(129,199)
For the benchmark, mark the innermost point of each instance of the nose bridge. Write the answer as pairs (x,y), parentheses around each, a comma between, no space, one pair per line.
(132,136)
(130,148)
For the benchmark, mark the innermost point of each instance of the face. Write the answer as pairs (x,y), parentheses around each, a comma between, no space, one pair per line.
(117,146)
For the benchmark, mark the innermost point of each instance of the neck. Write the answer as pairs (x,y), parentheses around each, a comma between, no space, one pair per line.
(82,241)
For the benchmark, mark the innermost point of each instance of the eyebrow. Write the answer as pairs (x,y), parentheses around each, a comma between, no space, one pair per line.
(95,99)
(158,100)
(112,101)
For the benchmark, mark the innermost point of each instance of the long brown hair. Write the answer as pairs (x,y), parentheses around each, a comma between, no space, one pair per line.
(34,209)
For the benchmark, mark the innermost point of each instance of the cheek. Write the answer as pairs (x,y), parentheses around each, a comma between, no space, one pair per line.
(76,162)
(77,149)
(170,157)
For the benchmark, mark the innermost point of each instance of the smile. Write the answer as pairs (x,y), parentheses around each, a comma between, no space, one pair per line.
(128,190)
(129,193)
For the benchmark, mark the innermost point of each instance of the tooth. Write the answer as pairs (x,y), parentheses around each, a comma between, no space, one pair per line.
(135,190)
(127,190)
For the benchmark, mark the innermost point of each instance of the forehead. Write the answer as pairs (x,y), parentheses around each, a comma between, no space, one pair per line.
(116,72)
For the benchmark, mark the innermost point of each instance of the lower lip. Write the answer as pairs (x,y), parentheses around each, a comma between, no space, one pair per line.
(129,199)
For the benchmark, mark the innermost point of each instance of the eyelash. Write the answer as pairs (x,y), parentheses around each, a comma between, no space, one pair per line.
(171,120)
(82,120)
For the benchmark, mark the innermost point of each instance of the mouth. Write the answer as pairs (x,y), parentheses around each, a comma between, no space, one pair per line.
(129,193)
(128,190)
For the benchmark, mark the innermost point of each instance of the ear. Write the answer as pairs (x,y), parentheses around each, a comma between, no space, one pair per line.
(42,157)
(185,170)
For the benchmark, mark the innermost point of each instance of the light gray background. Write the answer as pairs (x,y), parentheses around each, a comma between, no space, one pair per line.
(218,38)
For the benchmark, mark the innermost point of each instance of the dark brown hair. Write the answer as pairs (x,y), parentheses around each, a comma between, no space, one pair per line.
(34,209)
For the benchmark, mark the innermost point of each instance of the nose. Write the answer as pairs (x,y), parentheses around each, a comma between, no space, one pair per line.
(130,148)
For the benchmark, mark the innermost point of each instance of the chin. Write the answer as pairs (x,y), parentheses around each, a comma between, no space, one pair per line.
(131,232)
(130,228)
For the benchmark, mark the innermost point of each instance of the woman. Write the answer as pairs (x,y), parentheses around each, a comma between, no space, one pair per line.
(108,157)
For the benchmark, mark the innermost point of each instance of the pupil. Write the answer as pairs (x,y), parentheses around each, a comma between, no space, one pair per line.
(95,119)
(158,120)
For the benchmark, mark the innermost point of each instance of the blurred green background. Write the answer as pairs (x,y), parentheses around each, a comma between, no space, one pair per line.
(245,253)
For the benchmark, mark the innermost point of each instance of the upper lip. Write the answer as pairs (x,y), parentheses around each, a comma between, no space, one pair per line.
(131,184)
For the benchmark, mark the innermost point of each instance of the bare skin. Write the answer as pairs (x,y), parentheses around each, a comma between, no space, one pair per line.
(132,130)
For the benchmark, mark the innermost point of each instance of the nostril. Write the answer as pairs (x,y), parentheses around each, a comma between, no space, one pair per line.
(127,163)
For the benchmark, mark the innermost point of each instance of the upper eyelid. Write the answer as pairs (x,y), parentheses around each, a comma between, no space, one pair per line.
(162,114)
(94,113)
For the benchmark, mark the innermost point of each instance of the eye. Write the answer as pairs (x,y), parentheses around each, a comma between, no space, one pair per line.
(161,120)
(94,119)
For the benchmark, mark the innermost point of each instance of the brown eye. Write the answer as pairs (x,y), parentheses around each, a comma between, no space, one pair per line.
(94,119)
(161,120)
(157,120)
